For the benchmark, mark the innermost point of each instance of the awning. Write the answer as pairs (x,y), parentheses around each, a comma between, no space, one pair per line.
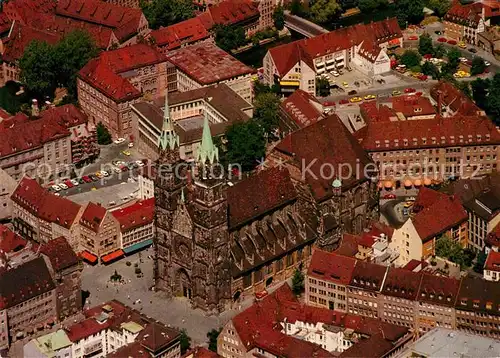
(320,64)
(330,60)
(408,183)
(394,42)
(418,182)
(112,256)
(388,184)
(290,83)
(331,67)
(87,256)
(427,182)
(320,71)
(138,246)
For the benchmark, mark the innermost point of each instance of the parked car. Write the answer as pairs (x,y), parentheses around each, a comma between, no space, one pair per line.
(452,42)
(442,39)
(87,179)
(413,38)
(343,101)
(131,145)
(437,32)
(75,182)
(472,49)
(370,96)
(55,188)
(104,173)
(126,152)
(63,186)
(99,175)
(423,77)
(68,183)
(117,170)
(325,104)
(345,84)
(131,165)
(462,45)
(94,177)
(418,94)
(81,181)
(389,196)
(352,92)
(355,99)
(410,90)
(396,93)
(139,163)
(119,140)
(487,63)
(123,167)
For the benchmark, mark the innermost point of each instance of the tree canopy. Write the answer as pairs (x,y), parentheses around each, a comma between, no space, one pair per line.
(411,58)
(229,37)
(324,11)
(103,135)
(480,89)
(166,12)
(266,112)
(440,7)
(478,66)
(430,69)
(409,11)
(212,336)
(493,99)
(298,282)
(425,45)
(45,67)
(451,250)
(185,341)
(279,17)
(322,87)
(368,6)
(245,145)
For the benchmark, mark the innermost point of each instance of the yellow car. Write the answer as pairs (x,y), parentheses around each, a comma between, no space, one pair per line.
(126,152)
(345,84)
(355,99)
(396,93)
(98,174)
(370,96)
(462,45)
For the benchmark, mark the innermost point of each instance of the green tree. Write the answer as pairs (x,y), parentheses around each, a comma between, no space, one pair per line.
(229,37)
(493,99)
(322,87)
(279,17)
(296,8)
(430,69)
(116,276)
(266,112)
(439,51)
(451,250)
(246,144)
(212,339)
(369,6)
(480,261)
(440,7)
(38,69)
(71,54)
(409,11)
(259,87)
(411,58)
(298,282)
(480,89)
(425,45)
(478,66)
(324,11)
(166,12)
(185,341)
(103,135)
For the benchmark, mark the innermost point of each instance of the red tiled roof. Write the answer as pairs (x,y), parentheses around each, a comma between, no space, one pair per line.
(86,328)
(369,50)
(479,295)
(131,57)
(402,283)
(60,253)
(412,105)
(333,146)
(454,98)
(469,13)
(348,245)
(493,238)
(92,216)
(281,345)
(177,35)
(67,115)
(374,112)
(101,77)
(123,20)
(200,352)
(441,290)
(375,346)
(136,215)
(229,13)
(155,337)
(414,264)
(439,217)
(286,56)
(26,10)
(24,282)
(368,275)
(429,133)
(493,261)
(205,63)
(303,108)
(10,241)
(20,37)
(5,23)
(131,350)
(426,198)
(330,266)
(259,194)
(491,8)
(44,205)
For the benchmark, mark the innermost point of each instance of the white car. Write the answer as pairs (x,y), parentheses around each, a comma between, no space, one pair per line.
(336,74)
(131,145)
(74,182)
(139,163)
(463,59)
(63,186)
(106,174)
(56,187)
(487,63)
(119,140)
(117,170)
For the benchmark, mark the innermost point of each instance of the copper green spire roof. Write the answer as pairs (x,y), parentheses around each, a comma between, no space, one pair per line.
(207,151)
(168,138)
(183,199)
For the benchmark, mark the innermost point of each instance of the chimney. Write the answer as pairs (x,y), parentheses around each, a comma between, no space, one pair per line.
(35,111)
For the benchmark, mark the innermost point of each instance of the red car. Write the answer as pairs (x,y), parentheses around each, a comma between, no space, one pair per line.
(69,183)
(86,179)
(260,295)
(428,56)
(418,94)
(410,90)
(343,101)
(452,42)
(442,39)
(389,196)
(413,38)
(423,77)
(123,167)
(329,104)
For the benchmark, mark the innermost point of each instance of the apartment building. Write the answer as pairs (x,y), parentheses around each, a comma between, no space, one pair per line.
(327,281)
(65,268)
(145,179)
(434,215)
(109,84)
(136,225)
(115,330)
(42,216)
(363,46)
(364,289)
(55,344)
(184,33)
(187,111)
(28,301)
(7,186)
(204,64)
(450,101)
(99,234)
(299,110)
(481,200)
(492,266)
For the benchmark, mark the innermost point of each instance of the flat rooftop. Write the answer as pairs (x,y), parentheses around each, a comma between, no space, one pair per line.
(441,342)
(207,64)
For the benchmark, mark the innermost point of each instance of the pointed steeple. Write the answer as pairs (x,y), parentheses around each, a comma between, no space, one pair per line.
(168,138)
(183,199)
(207,151)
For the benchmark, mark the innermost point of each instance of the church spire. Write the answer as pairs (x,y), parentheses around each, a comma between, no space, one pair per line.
(168,138)
(207,151)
